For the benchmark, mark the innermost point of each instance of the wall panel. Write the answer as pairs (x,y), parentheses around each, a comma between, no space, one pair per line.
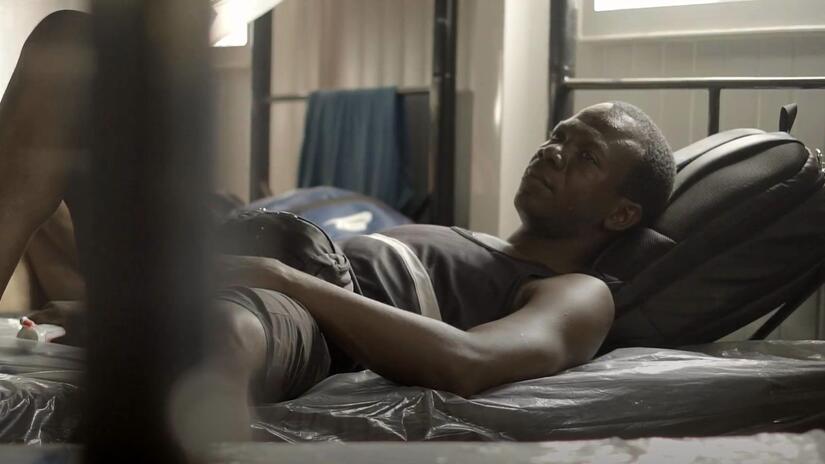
(341,44)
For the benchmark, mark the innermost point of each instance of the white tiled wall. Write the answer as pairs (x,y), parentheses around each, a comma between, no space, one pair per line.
(682,114)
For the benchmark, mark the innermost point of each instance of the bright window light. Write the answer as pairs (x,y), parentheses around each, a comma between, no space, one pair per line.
(229,25)
(613,5)
(231,18)
(235,39)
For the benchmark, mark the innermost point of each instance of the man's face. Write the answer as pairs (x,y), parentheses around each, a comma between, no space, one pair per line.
(571,184)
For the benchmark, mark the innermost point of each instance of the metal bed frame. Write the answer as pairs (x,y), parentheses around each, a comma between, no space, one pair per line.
(442,92)
(562,82)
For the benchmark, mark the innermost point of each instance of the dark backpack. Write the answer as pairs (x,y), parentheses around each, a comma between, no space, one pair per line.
(291,239)
(743,234)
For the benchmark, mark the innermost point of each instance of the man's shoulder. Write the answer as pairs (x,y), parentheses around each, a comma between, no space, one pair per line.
(575,286)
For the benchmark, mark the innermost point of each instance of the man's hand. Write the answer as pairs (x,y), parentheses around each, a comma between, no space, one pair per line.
(71,315)
(253,271)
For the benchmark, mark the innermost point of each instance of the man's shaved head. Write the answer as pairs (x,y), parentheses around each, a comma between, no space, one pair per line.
(650,180)
(603,170)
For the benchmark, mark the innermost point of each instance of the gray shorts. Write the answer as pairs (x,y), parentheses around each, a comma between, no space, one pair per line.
(298,355)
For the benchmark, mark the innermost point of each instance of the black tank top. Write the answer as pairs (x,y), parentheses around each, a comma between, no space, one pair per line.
(473,282)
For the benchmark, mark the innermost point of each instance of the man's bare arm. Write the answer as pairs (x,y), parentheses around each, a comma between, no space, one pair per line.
(562,323)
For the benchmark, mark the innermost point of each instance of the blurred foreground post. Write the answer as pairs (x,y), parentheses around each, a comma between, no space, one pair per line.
(146,257)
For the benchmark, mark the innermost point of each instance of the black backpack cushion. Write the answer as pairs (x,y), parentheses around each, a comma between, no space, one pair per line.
(291,239)
(744,232)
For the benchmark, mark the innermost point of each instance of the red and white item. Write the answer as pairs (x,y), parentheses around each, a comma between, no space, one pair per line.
(29,330)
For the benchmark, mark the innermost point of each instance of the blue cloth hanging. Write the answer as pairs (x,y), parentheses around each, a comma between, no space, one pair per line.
(354,139)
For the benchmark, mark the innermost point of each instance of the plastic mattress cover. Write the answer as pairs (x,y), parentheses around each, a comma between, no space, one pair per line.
(737,388)
(39,391)
(717,389)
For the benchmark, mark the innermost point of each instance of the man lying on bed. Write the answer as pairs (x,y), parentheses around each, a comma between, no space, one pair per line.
(511,309)
(495,311)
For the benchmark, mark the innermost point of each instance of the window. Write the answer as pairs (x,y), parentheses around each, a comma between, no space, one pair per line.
(229,27)
(238,38)
(623,19)
(612,5)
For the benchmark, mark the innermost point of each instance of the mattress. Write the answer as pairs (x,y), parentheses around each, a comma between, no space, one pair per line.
(737,388)
(740,388)
(39,391)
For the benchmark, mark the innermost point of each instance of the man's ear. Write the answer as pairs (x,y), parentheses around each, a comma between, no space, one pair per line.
(625,215)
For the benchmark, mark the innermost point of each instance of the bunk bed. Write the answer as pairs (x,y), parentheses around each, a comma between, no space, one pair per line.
(429,118)
(633,392)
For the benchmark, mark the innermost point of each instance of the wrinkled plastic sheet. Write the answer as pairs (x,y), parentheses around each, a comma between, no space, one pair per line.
(39,392)
(719,389)
(738,388)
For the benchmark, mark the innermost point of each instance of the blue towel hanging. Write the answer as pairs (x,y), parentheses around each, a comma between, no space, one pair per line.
(353,139)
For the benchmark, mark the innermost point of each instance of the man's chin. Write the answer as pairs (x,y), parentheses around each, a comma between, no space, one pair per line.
(552,228)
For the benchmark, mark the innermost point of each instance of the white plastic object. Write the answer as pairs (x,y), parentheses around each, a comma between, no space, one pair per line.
(29,330)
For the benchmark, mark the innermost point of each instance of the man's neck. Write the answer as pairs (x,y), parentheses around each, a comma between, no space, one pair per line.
(563,255)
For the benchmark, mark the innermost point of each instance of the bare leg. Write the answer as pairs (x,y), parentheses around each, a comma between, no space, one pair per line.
(211,403)
(52,255)
(43,120)
(240,364)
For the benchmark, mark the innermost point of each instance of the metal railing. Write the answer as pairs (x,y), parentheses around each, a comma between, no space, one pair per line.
(714,86)
(291,97)
(562,70)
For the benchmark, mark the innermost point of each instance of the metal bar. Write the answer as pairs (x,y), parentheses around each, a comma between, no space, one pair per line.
(791,305)
(562,61)
(696,83)
(145,260)
(820,312)
(261,110)
(774,321)
(442,112)
(305,96)
(714,97)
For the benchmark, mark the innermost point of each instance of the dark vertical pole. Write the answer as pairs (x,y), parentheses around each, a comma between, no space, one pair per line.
(261,108)
(714,97)
(442,112)
(145,190)
(562,60)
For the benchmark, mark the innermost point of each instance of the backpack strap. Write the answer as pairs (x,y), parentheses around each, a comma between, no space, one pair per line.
(787,116)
